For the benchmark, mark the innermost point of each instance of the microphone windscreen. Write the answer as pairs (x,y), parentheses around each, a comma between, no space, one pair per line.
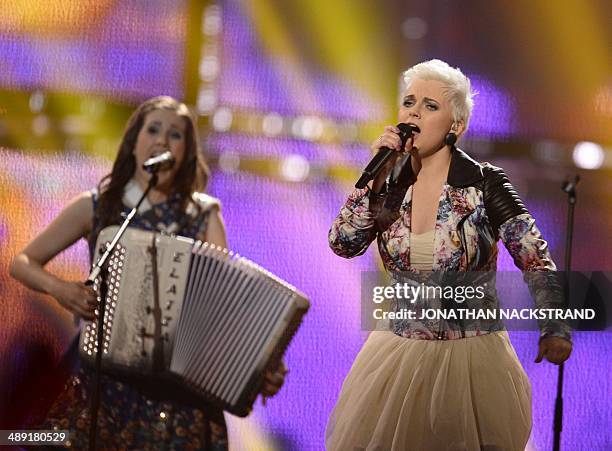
(406,131)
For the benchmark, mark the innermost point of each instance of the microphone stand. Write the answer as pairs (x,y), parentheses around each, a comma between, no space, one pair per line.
(100,268)
(569,188)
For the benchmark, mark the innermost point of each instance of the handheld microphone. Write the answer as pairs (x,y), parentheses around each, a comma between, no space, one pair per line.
(159,163)
(384,154)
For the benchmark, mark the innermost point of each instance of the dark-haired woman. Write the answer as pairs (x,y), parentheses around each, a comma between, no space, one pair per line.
(134,417)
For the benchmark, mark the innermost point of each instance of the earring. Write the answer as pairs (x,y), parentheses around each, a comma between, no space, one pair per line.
(450,139)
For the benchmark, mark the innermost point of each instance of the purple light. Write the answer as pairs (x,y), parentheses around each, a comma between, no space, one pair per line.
(45,184)
(253,79)
(125,56)
(3,230)
(261,147)
(494,110)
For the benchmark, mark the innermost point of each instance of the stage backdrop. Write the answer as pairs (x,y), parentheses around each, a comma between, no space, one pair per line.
(289,97)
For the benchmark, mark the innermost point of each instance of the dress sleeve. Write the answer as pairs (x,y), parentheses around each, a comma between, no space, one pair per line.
(530,253)
(355,228)
(206,204)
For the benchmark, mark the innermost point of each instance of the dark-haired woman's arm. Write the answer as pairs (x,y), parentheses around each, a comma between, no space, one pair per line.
(28,266)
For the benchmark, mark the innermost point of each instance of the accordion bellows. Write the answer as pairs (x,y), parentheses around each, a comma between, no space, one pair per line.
(194,315)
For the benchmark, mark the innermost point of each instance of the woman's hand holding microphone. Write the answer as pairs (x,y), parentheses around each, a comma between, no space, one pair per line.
(392,140)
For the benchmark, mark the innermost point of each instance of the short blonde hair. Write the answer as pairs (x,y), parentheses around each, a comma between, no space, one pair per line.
(458,86)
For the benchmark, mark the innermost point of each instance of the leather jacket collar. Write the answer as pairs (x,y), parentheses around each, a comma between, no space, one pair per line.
(463,171)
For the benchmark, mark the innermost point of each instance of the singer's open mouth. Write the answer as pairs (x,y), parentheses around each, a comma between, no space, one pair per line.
(415,127)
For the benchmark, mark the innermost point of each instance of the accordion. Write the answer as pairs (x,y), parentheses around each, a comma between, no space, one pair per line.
(193,315)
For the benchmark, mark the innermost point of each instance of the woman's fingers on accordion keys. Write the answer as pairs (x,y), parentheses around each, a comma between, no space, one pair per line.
(76,297)
(270,389)
(82,308)
(91,301)
(273,380)
(85,314)
(91,298)
(282,368)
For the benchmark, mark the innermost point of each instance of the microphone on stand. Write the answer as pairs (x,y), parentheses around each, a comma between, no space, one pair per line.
(384,154)
(159,163)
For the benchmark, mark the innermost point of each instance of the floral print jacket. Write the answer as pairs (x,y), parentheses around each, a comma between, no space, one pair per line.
(465,239)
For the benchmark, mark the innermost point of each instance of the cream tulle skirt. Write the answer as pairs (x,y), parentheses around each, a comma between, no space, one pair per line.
(404,394)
